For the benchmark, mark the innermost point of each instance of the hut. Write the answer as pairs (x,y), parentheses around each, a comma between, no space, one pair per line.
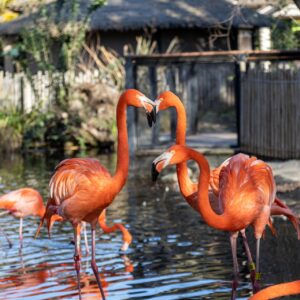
(199,25)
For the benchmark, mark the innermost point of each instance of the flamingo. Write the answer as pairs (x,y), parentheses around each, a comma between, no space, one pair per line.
(189,189)
(81,188)
(278,290)
(246,193)
(22,203)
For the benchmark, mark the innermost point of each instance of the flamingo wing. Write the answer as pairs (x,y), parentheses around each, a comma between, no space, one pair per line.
(73,174)
(80,189)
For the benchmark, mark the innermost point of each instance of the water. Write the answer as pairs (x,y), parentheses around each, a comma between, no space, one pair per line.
(174,255)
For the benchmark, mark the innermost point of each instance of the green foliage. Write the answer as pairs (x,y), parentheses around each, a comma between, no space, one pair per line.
(286,35)
(53,43)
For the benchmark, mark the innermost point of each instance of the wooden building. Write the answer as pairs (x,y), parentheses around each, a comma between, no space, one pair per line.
(200,25)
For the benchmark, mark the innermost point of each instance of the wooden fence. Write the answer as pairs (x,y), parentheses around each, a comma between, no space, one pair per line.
(270,110)
(17,92)
(262,87)
(205,86)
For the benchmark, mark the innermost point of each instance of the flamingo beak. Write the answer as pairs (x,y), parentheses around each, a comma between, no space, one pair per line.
(39,228)
(155,173)
(150,107)
(159,163)
(151,117)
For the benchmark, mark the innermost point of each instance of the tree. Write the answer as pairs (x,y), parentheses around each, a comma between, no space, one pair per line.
(55,41)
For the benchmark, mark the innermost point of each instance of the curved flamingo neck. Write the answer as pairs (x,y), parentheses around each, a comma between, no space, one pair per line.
(187,187)
(221,222)
(121,173)
(278,290)
(181,121)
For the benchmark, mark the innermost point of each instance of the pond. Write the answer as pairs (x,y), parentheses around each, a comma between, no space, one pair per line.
(174,255)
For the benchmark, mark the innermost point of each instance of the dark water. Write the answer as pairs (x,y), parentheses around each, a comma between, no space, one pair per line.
(174,255)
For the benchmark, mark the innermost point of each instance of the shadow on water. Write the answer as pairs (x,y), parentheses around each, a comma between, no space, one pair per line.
(174,255)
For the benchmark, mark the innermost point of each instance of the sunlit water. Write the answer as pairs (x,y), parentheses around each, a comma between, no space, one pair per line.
(174,255)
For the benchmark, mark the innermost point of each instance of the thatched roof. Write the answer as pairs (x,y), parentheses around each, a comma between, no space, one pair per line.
(122,15)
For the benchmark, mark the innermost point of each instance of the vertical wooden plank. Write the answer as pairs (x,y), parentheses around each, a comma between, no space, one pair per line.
(130,82)
(238,101)
(153,95)
(243,94)
(192,87)
(170,76)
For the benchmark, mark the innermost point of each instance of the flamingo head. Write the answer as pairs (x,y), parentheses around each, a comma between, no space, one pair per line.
(50,221)
(173,156)
(127,239)
(138,99)
(165,100)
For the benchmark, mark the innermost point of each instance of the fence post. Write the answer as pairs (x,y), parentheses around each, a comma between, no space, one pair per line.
(238,100)
(153,95)
(172,87)
(130,82)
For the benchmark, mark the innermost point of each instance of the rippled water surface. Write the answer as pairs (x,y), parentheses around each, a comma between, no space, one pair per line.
(174,255)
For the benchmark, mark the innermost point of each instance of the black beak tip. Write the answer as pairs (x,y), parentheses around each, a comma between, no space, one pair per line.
(153,114)
(154,173)
(149,119)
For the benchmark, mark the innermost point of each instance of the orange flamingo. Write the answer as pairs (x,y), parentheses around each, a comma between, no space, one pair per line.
(22,203)
(81,188)
(246,193)
(278,290)
(189,189)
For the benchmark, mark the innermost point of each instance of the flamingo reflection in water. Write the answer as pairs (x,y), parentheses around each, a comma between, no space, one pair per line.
(30,281)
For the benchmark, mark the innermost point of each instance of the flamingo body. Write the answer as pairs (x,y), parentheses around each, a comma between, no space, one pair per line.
(246,192)
(23,202)
(85,182)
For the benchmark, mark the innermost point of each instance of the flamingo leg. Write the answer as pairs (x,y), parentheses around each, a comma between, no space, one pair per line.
(233,239)
(6,237)
(93,263)
(77,256)
(250,259)
(21,232)
(85,238)
(257,275)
